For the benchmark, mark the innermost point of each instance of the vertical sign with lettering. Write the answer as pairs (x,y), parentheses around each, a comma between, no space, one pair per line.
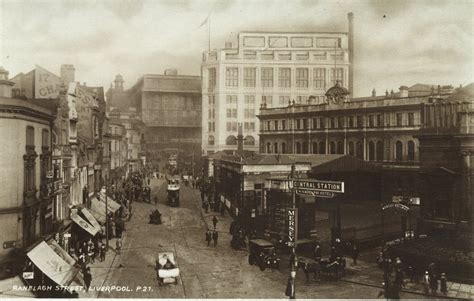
(292,225)
(47,84)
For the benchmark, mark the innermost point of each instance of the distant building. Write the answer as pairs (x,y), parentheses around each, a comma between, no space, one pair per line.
(170,108)
(117,97)
(447,155)
(270,68)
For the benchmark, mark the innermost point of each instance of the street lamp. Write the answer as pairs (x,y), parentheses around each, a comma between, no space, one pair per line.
(293,251)
(106,216)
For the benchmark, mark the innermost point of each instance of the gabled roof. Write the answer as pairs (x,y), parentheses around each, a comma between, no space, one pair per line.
(420,87)
(313,159)
(344,163)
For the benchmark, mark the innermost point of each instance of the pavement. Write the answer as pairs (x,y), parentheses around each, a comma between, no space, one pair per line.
(205,272)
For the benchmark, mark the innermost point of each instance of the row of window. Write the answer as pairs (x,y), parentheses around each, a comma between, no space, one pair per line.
(232,140)
(301,77)
(268,100)
(340,122)
(375,150)
(252,55)
(233,126)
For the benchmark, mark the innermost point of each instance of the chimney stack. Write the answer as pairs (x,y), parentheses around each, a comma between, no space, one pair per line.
(374,93)
(5,84)
(403,91)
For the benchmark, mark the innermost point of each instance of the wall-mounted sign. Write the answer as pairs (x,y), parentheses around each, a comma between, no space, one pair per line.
(312,185)
(28,275)
(321,194)
(292,224)
(9,244)
(396,206)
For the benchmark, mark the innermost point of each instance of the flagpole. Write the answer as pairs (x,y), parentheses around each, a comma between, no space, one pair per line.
(209,31)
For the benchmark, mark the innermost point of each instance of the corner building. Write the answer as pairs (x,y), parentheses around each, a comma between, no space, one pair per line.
(269,68)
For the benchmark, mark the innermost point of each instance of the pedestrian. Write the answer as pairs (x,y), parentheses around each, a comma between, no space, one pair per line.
(411,273)
(87,278)
(206,206)
(214,221)
(156,200)
(214,237)
(102,252)
(426,283)
(443,284)
(317,253)
(208,237)
(355,253)
(433,284)
(118,245)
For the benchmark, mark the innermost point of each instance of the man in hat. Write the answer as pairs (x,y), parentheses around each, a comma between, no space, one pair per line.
(443,284)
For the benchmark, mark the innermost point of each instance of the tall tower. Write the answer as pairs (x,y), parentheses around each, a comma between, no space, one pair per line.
(118,83)
(350,17)
(67,73)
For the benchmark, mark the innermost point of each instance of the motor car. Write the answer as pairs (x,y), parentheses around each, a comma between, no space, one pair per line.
(263,254)
(167,269)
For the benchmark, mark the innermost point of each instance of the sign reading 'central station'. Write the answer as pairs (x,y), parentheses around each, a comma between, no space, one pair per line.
(318,185)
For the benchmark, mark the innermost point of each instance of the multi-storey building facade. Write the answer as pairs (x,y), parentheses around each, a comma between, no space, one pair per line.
(377,128)
(25,157)
(170,108)
(118,152)
(268,68)
(447,152)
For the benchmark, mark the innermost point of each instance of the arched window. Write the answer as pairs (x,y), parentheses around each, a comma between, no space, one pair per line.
(322,147)
(359,150)
(379,151)
(411,151)
(340,147)
(231,140)
(332,147)
(275,147)
(283,148)
(249,140)
(305,147)
(210,140)
(351,148)
(269,148)
(298,148)
(398,151)
(315,147)
(371,151)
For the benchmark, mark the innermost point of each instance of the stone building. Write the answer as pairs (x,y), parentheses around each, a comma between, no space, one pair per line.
(25,156)
(447,152)
(170,108)
(268,68)
(118,153)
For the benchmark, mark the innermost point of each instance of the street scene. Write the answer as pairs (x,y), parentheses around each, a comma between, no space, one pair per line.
(214,149)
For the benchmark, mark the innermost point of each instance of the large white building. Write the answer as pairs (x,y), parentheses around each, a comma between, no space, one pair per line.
(271,69)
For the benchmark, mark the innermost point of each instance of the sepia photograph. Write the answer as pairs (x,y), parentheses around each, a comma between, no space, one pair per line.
(237,149)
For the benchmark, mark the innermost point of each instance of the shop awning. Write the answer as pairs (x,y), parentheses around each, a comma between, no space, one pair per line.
(98,210)
(111,203)
(7,290)
(85,225)
(52,264)
(90,218)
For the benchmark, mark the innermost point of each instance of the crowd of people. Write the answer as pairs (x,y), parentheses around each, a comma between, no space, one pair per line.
(395,273)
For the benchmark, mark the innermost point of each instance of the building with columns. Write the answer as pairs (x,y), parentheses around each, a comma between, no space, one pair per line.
(268,68)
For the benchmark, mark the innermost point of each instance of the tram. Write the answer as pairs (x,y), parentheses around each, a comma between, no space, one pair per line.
(173,191)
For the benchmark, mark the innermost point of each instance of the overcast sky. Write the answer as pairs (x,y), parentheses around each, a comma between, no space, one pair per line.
(396,42)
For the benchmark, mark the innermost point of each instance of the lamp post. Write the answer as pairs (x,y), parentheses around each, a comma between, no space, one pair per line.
(106,216)
(293,251)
